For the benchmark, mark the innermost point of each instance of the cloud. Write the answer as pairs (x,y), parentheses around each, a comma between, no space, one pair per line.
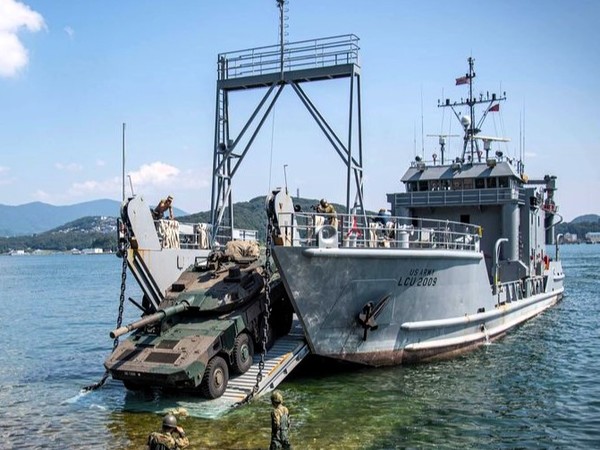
(107,187)
(70,32)
(71,167)
(154,174)
(15,15)
(100,163)
(3,173)
(42,196)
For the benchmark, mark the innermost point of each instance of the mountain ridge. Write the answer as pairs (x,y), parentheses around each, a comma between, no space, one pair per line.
(39,217)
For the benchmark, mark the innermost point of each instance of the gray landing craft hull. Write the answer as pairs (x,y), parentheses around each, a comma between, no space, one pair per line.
(440,301)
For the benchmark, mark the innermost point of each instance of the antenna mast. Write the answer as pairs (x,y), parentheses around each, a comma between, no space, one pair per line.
(471,129)
(280,5)
(123,167)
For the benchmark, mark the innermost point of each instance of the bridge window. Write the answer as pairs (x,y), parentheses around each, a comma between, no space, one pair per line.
(491,182)
(468,183)
(423,186)
(503,182)
(479,183)
(456,185)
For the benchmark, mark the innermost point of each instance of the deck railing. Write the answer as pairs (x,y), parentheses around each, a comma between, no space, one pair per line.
(175,234)
(374,231)
(310,54)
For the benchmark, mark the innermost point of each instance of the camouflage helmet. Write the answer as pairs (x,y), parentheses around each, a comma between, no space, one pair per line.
(276,397)
(323,202)
(169,421)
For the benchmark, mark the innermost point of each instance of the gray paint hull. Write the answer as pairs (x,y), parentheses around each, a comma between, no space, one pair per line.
(440,301)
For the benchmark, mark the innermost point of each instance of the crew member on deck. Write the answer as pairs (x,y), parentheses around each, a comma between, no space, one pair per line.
(164,205)
(325,207)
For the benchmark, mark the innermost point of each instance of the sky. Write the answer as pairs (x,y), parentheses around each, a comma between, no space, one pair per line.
(72,72)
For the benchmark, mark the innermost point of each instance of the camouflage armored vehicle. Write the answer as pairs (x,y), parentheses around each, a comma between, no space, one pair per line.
(206,328)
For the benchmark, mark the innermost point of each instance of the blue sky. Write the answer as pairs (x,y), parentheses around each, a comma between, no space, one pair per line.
(71,72)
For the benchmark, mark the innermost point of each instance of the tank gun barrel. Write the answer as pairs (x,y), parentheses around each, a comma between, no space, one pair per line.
(152,318)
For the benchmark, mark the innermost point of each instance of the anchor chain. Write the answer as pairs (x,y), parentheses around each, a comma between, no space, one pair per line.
(266,313)
(122,250)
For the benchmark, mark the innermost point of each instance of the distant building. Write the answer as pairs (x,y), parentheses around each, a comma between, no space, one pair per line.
(92,251)
(570,238)
(593,237)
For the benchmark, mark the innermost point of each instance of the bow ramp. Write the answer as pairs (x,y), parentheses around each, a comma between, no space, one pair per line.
(281,359)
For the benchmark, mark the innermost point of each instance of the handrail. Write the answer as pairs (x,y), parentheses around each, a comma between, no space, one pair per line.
(313,53)
(375,231)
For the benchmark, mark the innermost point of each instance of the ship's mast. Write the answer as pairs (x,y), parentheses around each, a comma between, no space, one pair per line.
(470,127)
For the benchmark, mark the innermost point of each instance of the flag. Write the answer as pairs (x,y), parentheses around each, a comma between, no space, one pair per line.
(462,80)
(494,108)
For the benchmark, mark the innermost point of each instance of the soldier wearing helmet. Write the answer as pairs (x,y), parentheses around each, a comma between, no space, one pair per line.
(327,208)
(280,423)
(171,437)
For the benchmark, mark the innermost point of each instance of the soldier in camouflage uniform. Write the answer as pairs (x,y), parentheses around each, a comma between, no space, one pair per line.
(280,423)
(171,436)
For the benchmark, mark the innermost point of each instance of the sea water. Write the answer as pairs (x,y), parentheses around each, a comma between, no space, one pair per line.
(536,388)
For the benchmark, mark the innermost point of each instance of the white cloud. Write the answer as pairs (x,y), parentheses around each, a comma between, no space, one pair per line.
(71,167)
(42,196)
(100,163)
(15,15)
(70,32)
(106,187)
(154,174)
(3,174)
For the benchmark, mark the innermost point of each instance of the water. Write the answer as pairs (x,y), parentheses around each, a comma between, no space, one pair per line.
(536,388)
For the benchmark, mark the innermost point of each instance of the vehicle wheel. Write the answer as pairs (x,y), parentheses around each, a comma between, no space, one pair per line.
(243,351)
(215,378)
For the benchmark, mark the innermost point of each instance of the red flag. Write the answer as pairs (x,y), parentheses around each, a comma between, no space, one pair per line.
(462,80)
(494,108)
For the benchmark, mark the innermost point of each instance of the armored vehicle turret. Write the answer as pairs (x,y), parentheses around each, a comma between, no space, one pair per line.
(206,328)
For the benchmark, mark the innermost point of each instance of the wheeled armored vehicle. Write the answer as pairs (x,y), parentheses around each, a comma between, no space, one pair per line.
(207,327)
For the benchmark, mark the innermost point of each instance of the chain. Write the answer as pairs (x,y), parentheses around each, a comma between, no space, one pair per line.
(123,246)
(266,313)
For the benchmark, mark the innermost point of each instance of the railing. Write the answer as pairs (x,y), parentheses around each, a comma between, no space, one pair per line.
(518,290)
(314,53)
(488,196)
(375,231)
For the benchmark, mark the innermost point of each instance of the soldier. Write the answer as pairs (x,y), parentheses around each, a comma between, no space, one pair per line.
(327,208)
(171,437)
(162,207)
(280,423)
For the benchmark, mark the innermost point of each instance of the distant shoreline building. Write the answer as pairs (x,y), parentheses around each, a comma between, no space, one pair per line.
(593,237)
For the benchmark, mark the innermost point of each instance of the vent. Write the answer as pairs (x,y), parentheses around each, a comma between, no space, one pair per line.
(166,358)
(168,344)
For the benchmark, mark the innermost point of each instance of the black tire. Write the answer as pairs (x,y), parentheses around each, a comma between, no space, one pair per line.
(215,378)
(243,351)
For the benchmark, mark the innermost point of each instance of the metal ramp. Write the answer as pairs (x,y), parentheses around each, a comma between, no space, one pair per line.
(281,359)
